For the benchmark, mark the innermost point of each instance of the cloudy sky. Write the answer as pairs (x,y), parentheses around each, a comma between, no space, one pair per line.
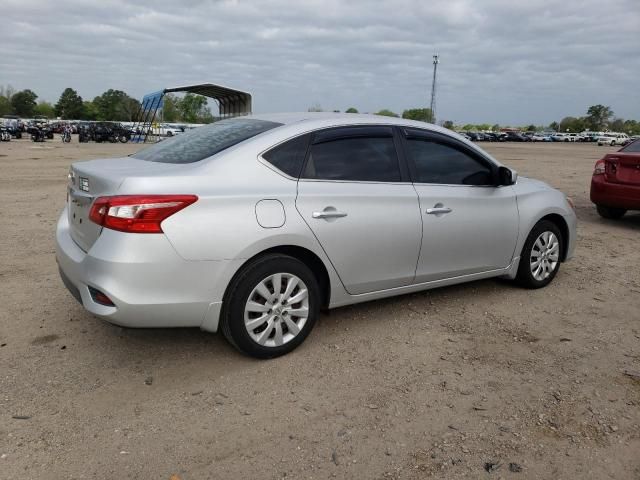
(504,61)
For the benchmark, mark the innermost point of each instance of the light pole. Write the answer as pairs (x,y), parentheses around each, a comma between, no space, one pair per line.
(432,114)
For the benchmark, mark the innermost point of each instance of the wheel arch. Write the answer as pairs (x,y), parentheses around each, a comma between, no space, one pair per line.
(306,256)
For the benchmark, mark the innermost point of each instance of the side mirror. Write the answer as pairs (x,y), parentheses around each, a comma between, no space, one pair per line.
(506,176)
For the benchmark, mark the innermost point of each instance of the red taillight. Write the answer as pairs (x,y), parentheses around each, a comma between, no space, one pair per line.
(599,168)
(137,213)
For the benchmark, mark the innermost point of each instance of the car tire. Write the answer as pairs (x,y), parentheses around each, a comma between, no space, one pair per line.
(264,327)
(612,213)
(541,255)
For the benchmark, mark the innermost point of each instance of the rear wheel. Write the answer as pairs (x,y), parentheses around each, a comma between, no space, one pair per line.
(610,212)
(540,258)
(271,306)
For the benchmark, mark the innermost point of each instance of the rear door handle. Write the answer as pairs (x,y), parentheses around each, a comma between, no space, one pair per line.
(328,214)
(438,210)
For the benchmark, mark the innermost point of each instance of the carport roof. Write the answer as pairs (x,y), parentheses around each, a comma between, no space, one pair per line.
(230,101)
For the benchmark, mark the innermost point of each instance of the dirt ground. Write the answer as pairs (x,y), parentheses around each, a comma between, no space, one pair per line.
(482,380)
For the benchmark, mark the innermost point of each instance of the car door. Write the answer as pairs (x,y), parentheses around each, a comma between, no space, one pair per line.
(358,201)
(469,225)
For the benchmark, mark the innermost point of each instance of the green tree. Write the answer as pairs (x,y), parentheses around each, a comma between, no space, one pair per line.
(315,108)
(351,110)
(70,105)
(420,114)
(195,109)
(387,113)
(89,111)
(598,117)
(46,109)
(5,106)
(115,105)
(532,128)
(495,128)
(617,125)
(555,126)
(468,127)
(632,127)
(448,124)
(24,103)
(571,124)
(171,108)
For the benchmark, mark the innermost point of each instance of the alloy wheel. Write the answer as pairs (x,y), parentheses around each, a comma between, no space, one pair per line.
(277,309)
(545,255)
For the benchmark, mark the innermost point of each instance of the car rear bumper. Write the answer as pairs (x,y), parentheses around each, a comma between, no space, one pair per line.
(618,195)
(149,284)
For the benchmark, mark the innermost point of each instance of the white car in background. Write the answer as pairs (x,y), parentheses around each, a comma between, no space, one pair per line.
(541,137)
(613,139)
(166,130)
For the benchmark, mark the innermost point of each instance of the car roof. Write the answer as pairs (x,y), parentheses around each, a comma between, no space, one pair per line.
(325,118)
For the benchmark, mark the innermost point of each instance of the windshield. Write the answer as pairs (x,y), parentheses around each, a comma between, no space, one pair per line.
(203,142)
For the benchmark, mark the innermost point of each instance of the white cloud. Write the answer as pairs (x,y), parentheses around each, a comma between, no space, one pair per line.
(501,60)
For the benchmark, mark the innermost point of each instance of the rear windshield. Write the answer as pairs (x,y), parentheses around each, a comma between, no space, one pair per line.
(203,142)
(633,147)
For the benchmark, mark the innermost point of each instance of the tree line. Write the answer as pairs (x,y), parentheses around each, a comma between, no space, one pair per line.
(112,105)
(116,105)
(598,118)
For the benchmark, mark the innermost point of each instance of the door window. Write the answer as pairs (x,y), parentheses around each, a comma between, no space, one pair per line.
(366,157)
(438,162)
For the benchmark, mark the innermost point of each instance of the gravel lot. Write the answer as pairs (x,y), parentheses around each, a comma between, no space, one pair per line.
(483,380)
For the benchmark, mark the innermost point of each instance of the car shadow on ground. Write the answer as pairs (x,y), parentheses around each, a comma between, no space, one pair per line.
(134,344)
(630,220)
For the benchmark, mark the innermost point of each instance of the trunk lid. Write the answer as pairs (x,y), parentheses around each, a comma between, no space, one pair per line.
(96,178)
(621,167)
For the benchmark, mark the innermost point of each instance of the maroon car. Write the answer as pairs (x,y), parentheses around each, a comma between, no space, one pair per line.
(615,185)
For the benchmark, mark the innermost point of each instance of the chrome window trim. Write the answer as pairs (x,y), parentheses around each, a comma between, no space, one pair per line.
(322,180)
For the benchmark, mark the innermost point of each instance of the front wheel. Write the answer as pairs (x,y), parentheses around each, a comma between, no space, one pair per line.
(271,306)
(612,213)
(540,258)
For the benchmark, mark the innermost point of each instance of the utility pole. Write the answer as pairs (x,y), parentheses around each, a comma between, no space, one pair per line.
(433,89)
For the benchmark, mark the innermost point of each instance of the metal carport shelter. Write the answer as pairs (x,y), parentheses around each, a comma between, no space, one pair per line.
(231,103)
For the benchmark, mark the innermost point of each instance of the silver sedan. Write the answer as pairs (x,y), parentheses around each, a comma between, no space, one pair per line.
(252,225)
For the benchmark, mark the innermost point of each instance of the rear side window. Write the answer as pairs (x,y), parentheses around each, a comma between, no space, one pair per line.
(633,147)
(360,158)
(289,156)
(441,163)
(203,142)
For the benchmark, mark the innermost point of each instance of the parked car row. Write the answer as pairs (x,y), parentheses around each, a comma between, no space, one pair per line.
(103,132)
(602,138)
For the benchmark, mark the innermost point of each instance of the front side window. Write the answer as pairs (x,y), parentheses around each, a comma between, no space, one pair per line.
(203,142)
(362,158)
(437,162)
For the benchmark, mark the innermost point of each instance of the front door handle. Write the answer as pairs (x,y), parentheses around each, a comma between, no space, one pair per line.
(328,214)
(438,210)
